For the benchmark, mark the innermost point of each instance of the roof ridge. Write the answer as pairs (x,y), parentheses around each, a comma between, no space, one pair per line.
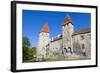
(45,28)
(67,20)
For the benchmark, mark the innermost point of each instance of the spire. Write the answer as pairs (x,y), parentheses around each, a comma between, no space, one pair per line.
(45,28)
(67,20)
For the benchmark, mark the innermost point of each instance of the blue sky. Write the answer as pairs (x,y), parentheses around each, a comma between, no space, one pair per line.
(33,21)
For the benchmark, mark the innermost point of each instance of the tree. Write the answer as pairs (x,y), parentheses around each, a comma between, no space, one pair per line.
(26,42)
(34,52)
(26,45)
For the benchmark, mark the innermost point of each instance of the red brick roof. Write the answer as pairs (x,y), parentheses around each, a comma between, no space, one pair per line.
(67,20)
(45,28)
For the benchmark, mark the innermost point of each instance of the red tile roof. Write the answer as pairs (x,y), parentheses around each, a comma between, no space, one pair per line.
(67,20)
(45,28)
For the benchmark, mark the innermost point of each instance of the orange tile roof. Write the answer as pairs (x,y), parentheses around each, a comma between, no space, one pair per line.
(67,20)
(45,28)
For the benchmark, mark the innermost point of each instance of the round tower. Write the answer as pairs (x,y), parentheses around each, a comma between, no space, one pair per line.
(43,41)
(67,31)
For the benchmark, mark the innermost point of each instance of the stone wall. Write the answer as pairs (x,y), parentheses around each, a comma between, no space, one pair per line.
(56,49)
(82,44)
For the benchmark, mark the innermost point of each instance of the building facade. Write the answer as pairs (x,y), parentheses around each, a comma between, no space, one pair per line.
(70,44)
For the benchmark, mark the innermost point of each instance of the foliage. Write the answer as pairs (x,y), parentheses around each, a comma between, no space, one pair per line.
(29,54)
(26,42)
(34,51)
(26,45)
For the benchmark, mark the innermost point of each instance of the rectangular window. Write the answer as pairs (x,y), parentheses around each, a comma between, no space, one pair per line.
(83,46)
(82,37)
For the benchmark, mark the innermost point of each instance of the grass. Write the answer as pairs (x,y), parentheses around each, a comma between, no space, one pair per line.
(54,59)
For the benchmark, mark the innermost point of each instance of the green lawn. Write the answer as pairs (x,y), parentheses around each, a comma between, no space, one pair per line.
(54,59)
(60,59)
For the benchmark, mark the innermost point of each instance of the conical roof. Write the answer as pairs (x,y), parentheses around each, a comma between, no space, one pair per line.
(45,28)
(67,20)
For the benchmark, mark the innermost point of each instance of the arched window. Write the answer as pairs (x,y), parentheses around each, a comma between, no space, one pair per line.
(69,48)
(66,50)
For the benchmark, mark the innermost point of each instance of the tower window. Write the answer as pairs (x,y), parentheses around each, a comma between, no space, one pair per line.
(69,48)
(66,50)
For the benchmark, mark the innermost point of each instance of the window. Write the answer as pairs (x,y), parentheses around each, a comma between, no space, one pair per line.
(62,52)
(46,34)
(83,50)
(84,54)
(66,50)
(69,48)
(89,36)
(82,37)
(83,46)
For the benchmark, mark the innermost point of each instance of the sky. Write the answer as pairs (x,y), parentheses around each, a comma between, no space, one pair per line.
(33,21)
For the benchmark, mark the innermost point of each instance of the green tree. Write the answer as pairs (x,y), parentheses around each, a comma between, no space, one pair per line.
(26,42)
(26,45)
(34,52)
